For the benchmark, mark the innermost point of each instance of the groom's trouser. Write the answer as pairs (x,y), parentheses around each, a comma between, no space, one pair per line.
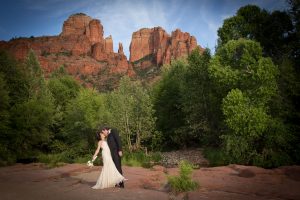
(117,160)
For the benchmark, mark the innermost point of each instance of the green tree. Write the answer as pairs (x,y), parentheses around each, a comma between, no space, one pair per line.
(15,78)
(278,34)
(31,122)
(4,106)
(248,80)
(132,112)
(294,13)
(33,117)
(270,29)
(37,84)
(4,121)
(63,88)
(167,97)
(13,90)
(200,103)
(82,117)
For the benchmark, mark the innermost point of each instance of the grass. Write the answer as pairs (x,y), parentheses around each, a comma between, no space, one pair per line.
(140,159)
(60,159)
(135,159)
(51,160)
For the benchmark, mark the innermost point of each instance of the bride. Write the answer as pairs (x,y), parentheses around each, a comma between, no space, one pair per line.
(109,176)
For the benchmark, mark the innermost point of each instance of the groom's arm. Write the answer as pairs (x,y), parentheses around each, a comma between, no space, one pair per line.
(117,139)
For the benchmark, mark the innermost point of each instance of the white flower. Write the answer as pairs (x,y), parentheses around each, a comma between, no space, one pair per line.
(90,163)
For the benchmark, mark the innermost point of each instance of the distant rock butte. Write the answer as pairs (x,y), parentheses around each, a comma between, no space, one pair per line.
(158,45)
(82,49)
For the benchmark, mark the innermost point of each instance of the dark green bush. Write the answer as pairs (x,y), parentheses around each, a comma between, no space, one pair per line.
(215,156)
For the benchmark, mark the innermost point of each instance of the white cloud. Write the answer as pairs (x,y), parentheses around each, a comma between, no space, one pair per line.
(121,18)
(208,24)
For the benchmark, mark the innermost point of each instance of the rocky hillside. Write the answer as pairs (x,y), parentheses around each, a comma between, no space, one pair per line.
(89,57)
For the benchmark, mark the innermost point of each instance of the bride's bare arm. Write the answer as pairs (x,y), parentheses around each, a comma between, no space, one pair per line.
(97,150)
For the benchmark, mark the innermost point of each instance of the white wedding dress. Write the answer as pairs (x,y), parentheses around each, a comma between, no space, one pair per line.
(109,176)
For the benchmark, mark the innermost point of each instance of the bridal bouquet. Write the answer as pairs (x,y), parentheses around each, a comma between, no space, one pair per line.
(90,163)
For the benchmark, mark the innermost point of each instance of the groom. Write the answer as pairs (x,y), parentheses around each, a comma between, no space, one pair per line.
(115,146)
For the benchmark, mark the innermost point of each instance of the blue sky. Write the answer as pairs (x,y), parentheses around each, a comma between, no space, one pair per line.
(120,18)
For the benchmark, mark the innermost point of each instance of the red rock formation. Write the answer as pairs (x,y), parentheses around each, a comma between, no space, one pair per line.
(98,52)
(75,25)
(161,47)
(108,45)
(96,31)
(120,50)
(80,47)
(84,52)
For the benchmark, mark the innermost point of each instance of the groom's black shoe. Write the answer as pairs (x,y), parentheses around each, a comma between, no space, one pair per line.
(121,184)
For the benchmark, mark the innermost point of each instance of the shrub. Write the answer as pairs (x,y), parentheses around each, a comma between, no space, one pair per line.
(183,182)
(52,160)
(135,159)
(140,159)
(7,156)
(215,156)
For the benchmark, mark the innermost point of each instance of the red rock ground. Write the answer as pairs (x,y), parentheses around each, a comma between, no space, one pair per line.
(74,181)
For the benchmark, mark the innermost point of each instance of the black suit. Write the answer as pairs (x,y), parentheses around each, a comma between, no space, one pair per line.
(115,145)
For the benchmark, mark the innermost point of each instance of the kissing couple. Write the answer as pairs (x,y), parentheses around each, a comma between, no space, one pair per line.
(110,143)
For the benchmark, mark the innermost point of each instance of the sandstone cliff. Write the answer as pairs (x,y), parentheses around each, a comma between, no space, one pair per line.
(80,48)
(157,44)
(84,52)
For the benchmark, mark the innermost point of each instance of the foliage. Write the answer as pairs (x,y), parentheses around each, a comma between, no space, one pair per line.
(167,99)
(32,120)
(33,117)
(5,155)
(251,22)
(282,45)
(250,81)
(140,159)
(4,106)
(183,182)
(294,13)
(13,90)
(131,112)
(186,103)
(15,77)
(37,83)
(51,160)
(63,88)
(215,156)
(30,108)
(201,105)
(82,116)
